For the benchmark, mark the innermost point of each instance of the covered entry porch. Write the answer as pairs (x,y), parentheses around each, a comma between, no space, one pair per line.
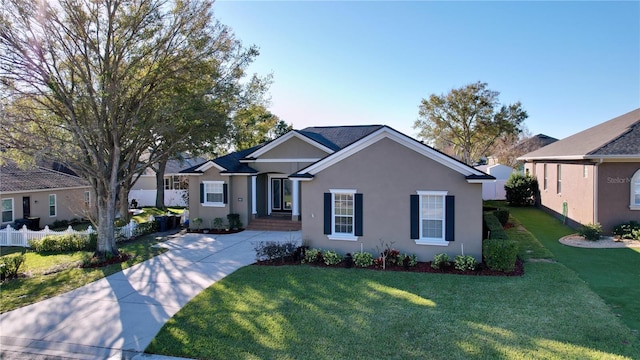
(274,194)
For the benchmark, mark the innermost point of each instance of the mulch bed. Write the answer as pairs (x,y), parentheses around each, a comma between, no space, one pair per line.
(421,267)
(100,262)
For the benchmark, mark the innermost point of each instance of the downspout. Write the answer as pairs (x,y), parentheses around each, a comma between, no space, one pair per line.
(595,191)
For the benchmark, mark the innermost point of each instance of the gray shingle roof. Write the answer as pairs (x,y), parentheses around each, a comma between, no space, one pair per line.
(338,137)
(618,137)
(15,179)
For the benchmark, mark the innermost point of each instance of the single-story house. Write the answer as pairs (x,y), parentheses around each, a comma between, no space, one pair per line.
(42,194)
(176,184)
(592,176)
(495,190)
(351,188)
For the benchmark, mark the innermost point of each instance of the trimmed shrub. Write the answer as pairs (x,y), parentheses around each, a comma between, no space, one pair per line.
(362,259)
(502,215)
(500,255)
(409,260)
(630,230)
(273,250)
(521,189)
(496,231)
(590,231)
(464,262)
(331,257)
(440,261)
(60,243)
(234,221)
(312,256)
(10,265)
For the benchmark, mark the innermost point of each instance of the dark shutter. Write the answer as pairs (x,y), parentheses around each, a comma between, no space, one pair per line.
(358,215)
(449,219)
(415,216)
(201,193)
(225,194)
(327,213)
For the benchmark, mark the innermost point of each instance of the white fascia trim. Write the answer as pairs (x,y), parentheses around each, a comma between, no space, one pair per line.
(402,139)
(285,137)
(292,160)
(208,165)
(480,181)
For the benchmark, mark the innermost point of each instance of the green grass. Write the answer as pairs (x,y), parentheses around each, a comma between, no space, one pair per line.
(51,275)
(302,312)
(147,211)
(614,274)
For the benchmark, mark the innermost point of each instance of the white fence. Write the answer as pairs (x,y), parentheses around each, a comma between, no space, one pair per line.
(494,190)
(148,197)
(12,237)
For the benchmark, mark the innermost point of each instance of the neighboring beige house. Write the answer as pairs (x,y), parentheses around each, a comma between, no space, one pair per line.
(350,188)
(176,185)
(43,194)
(592,176)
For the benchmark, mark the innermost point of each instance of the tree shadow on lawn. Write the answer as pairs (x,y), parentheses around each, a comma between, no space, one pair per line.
(306,312)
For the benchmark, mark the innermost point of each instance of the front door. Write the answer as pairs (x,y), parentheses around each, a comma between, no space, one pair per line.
(26,207)
(281,194)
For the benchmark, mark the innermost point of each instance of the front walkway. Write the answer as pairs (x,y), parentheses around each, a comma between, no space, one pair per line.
(118,316)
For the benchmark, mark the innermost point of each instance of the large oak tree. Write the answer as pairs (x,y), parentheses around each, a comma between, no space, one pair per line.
(96,84)
(468,121)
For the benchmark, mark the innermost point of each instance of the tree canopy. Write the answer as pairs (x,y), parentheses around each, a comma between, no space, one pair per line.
(95,84)
(467,121)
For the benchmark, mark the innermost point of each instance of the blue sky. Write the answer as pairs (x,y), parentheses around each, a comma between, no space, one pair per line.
(571,64)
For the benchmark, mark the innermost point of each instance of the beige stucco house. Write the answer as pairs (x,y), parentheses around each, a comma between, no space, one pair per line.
(350,188)
(592,176)
(43,193)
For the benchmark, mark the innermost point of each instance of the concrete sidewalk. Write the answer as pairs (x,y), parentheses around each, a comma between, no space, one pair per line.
(118,316)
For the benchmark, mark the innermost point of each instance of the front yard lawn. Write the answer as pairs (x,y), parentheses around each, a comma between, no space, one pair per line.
(301,312)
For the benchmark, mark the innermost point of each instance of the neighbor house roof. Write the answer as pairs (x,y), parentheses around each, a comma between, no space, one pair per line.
(15,179)
(532,144)
(617,138)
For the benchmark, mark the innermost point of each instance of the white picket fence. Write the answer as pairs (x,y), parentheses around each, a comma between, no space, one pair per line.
(13,237)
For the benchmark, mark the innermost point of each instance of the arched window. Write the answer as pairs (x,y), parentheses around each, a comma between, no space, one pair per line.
(634,203)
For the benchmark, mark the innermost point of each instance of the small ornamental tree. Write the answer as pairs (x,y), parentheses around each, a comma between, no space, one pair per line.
(521,189)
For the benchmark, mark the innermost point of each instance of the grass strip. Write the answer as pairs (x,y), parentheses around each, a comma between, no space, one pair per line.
(614,274)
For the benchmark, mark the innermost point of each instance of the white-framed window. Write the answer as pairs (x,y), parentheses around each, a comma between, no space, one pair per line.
(87,198)
(213,193)
(585,171)
(432,217)
(546,177)
(52,205)
(634,201)
(559,179)
(7,210)
(167,183)
(342,215)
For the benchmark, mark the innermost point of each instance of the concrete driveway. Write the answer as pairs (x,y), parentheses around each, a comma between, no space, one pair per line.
(118,316)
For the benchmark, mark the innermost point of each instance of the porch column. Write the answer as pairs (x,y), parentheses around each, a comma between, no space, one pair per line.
(295,213)
(254,196)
